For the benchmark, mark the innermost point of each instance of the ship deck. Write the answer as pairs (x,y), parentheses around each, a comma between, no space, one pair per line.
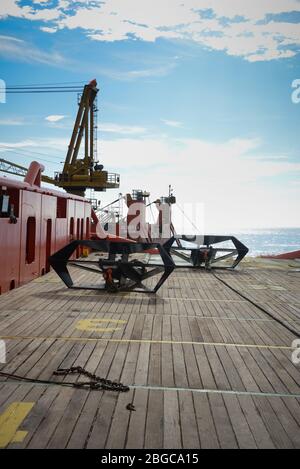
(206,368)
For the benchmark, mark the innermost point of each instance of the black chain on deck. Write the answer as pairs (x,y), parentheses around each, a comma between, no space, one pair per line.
(95,383)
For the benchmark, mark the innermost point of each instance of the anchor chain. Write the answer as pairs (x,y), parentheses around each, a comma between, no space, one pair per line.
(95,381)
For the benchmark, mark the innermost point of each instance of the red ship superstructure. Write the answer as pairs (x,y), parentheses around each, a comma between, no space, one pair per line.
(34,222)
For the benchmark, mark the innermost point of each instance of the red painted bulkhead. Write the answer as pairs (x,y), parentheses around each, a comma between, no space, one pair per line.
(47,220)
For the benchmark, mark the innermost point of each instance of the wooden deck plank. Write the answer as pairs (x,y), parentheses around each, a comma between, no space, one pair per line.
(223,424)
(154,431)
(273,424)
(171,422)
(52,417)
(188,421)
(258,428)
(137,422)
(239,423)
(173,383)
(290,425)
(205,422)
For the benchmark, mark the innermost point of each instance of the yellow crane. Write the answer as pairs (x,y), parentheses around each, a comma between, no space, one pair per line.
(79,173)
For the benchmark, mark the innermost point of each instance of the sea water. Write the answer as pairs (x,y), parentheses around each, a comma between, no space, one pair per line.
(263,241)
(270,240)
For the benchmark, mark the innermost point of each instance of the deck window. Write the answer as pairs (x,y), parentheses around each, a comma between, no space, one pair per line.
(61,208)
(30,240)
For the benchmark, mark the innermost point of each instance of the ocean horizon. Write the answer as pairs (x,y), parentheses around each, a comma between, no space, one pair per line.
(264,241)
(269,240)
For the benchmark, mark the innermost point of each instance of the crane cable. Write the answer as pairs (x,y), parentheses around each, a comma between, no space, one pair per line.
(49,84)
(43,91)
(184,214)
(111,203)
(150,205)
(23,152)
(28,156)
(19,89)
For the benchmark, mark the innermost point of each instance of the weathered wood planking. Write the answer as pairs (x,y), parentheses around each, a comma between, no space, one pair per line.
(206,367)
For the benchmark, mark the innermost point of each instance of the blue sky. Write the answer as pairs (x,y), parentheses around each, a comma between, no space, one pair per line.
(193,93)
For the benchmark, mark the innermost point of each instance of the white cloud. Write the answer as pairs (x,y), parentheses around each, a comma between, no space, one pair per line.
(131,75)
(21,144)
(48,30)
(23,51)
(239,186)
(13,8)
(121,129)
(45,145)
(12,121)
(250,9)
(54,118)
(171,123)
(246,32)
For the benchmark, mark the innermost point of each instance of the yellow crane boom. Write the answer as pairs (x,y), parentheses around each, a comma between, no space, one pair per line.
(18,170)
(83,173)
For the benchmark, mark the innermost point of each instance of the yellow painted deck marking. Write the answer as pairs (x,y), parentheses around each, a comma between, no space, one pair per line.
(92,325)
(10,421)
(150,341)
(19,436)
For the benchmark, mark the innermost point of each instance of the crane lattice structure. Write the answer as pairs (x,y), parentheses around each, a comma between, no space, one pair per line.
(79,173)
